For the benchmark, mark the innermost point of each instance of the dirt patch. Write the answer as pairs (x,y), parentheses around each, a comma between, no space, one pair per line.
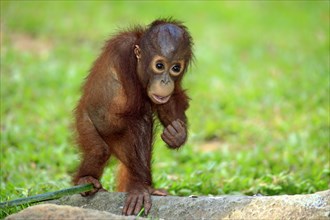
(27,43)
(211,146)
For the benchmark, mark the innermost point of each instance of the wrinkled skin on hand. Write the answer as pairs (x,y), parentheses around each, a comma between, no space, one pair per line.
(175,134)
(89,179)
(137,199)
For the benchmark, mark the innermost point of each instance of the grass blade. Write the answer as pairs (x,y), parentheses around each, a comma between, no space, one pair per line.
(48,196)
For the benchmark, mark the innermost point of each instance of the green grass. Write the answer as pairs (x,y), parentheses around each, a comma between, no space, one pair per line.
(259,115)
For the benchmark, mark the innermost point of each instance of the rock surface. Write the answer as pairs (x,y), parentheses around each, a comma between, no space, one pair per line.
(52,211)
(312,206)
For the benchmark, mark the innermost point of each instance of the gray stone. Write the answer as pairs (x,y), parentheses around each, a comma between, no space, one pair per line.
(56,212)
(311,206)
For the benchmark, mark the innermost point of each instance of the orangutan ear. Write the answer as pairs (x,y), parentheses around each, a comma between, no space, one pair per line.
(137,51)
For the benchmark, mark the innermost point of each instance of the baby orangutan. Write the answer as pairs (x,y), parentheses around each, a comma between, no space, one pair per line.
(137,77)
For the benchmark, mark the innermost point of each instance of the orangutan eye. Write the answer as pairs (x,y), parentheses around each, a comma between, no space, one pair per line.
(176,68)
(159,66)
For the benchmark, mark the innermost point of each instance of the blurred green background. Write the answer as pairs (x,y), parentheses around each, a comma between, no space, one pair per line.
(259,114)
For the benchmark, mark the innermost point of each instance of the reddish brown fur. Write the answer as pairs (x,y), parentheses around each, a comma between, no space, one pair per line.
(115,116)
